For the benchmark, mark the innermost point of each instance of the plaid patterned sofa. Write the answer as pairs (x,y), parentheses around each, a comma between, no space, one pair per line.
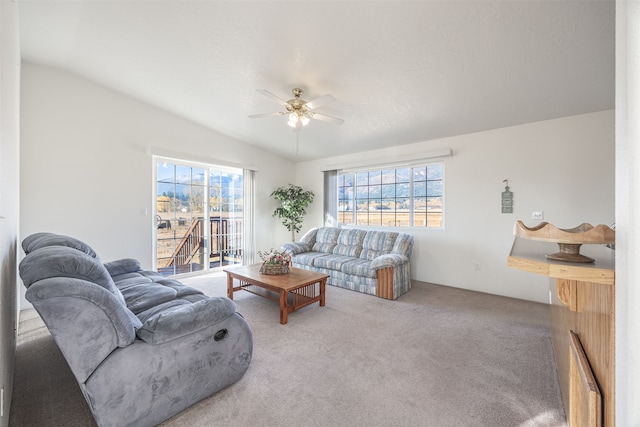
(368,261)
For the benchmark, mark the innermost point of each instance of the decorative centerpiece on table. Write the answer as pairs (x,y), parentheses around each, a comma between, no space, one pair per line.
(274,262)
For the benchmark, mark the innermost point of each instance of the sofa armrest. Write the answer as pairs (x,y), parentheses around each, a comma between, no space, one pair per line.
(87,321)
(174,323)
(295,248)
(122,266)
(388,260)
(144,384)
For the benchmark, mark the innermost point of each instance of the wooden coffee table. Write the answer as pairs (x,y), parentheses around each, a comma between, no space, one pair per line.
(293,290)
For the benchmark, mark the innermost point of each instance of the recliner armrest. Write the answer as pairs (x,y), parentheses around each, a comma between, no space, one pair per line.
(122,266)
(388,260)
(87,321)
(183,320)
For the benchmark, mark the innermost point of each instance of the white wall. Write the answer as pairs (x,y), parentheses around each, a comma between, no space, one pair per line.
(564,167)
(9,196)
(87,171)
(627,213)
(87,168)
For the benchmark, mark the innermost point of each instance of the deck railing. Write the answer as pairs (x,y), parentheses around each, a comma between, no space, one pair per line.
(225,242)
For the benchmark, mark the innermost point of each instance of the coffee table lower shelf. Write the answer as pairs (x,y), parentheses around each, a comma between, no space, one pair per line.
(292,291)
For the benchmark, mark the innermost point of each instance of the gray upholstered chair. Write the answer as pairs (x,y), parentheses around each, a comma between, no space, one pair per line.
(141,346)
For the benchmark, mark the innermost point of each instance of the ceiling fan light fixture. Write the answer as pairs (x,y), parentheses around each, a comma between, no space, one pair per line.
(298,119)
(298,111)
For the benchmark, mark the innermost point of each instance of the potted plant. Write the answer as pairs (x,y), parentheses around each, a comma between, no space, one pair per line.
(293,202)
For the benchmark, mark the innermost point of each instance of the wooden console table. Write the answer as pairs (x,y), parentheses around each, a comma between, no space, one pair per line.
(582,327)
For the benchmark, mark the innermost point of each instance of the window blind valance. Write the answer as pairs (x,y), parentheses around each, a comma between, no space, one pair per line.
(397,161)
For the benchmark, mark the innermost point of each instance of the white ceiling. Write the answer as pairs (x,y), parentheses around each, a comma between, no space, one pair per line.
(401,71)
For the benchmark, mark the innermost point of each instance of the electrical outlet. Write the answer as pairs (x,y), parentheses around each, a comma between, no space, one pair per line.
(537,215)
(476,266)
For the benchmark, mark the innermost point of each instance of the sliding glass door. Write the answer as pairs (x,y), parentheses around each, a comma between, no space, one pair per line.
(226,216)
(198,218)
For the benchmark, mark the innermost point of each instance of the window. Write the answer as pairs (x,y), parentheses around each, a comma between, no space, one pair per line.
(399,197)
(199,216)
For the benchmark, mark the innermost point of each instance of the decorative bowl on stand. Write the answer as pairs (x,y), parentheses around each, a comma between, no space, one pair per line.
(568,240)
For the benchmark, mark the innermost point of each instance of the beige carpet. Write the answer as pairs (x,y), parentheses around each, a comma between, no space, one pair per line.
(437,356)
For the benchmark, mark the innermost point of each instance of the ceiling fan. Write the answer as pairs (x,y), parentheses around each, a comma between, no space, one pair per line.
(299,111)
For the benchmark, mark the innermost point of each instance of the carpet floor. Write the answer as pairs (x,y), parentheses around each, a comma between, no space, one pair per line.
(437,356)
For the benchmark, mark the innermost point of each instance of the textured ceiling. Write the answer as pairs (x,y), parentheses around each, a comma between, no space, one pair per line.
(401,71)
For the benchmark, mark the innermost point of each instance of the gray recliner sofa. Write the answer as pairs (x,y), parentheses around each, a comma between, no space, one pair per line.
(141,346)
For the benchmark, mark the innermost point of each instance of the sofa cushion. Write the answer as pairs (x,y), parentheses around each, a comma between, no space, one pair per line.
(125,281)
(326,240)
(403,245)
(307,258)
(359,267)
(28,242)
(309,237)
(350,242)
(169,305)
(122,266)
(181,290)
(64,261)
(144,296)
(42,240)
(294,248)
(377,243)
(332,262)
(194,297)
(153,275)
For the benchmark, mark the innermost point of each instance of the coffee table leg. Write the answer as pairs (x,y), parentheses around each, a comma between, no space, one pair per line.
(284,311)
(229,286)
(323,282)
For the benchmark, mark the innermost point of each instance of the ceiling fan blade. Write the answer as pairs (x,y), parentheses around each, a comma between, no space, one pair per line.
(273,97)
(319,102)
(257,116)
(328,119)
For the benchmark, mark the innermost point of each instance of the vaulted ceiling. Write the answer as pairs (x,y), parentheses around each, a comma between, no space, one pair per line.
(401,71)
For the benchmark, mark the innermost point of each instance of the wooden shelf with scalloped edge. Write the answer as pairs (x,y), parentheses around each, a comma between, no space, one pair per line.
(569,240)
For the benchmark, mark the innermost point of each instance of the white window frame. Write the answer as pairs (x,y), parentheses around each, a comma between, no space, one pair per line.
(395,167)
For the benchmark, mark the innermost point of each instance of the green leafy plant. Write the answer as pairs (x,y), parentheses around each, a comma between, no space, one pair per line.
(293,203)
